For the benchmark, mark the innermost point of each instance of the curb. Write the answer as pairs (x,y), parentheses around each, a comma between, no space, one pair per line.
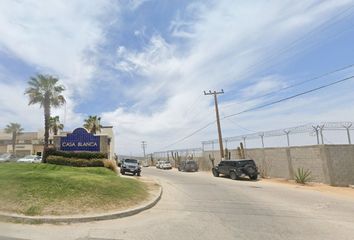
(82,219)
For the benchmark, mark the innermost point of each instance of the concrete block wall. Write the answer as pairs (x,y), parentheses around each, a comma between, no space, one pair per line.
(309,157)
(330,164)
(341,164)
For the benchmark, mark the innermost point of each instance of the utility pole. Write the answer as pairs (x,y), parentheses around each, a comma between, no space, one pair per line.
(143,145)
(215,93)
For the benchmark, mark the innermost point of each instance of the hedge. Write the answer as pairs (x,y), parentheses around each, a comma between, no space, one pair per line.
(75,162)
(81,155)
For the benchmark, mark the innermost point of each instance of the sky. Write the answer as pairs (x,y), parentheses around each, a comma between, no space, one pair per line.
(142,66)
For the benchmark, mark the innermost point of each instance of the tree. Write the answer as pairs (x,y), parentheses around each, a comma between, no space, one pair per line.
(15,129)
(44,90)
(55,125)
(92,124)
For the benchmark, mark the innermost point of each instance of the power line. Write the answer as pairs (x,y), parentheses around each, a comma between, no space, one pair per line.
(288,98)
(296,84)
(238,125)
(320,27)
(259,107)
(190,135)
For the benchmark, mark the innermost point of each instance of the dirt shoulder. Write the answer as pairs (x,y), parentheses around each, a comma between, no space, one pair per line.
(338,191)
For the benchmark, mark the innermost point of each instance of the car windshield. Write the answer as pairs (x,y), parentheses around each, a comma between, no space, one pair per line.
(130,161)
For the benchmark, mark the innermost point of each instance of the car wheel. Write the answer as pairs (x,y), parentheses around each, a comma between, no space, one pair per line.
(138,174)
(122,172)
(215,172)
(250,170)
(254,177)
(233,175)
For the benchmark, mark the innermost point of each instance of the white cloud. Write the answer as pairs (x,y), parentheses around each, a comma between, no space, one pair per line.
(57,37)
(222,46)
(14,108)
(263,86)
(214,45)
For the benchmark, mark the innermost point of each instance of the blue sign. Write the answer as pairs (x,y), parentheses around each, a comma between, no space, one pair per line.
(80,140)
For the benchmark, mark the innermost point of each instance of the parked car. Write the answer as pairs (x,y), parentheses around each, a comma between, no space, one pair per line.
(7,157)
(188,166)
(158,164)
(131,166)
(145,163)
(30,159)
(166,165)
(236,169)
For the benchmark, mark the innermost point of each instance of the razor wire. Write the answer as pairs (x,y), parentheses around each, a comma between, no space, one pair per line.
(312,128)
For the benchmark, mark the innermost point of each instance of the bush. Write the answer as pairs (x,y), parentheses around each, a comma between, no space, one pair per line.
(81,155)
(303,176)
(110,164)
(75,162)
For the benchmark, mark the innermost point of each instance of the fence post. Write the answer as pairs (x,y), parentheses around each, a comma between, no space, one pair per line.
(348,133)
(316,130)
(287,136)
(321,132)
(262,138)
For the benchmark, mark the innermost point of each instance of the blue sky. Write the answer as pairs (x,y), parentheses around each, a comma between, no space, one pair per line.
(143,65)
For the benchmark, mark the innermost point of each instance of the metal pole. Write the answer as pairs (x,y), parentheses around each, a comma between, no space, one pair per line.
(244,142)
(321,133)
(262,135)
(287,137)
(348,133)
(316,130)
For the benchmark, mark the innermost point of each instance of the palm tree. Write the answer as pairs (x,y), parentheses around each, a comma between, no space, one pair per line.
(15,129)
(43,89)
(55,125)
(92,124)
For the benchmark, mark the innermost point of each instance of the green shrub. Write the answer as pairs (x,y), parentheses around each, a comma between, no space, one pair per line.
(303,176)
(81,155)
(75,162)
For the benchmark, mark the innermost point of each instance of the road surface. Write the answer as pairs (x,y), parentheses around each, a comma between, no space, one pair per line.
(200,206)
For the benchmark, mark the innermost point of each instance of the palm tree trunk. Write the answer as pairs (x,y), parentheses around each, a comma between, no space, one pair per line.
(13,142)
(46,127)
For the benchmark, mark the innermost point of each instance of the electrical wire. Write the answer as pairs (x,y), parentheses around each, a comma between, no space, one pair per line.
(295,84)
(288,98)
(260,107)
(292,44)
(238,125)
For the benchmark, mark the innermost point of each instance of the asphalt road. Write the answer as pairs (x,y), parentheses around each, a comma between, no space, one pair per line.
(199,206)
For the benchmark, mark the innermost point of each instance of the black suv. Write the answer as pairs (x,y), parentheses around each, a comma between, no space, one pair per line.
(130,165)
(236,168)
